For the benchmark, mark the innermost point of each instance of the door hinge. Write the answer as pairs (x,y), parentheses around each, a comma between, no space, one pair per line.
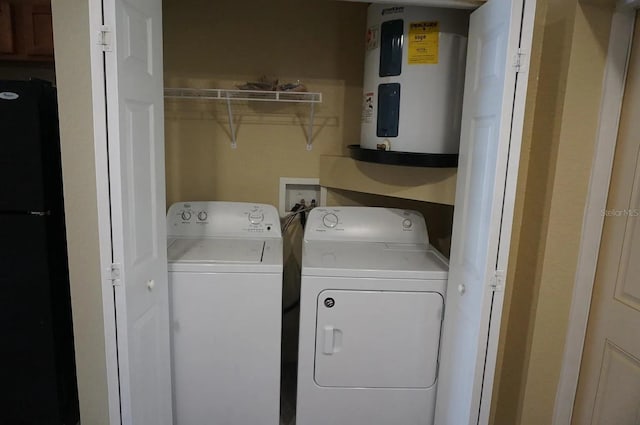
(497,282)
(519,60)
(105,38)
(114,274)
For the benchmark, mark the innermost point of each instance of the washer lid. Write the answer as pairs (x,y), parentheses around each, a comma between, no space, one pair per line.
(246,251)
(383,260)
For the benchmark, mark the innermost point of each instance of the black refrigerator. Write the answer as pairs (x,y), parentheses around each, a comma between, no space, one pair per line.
(37,365)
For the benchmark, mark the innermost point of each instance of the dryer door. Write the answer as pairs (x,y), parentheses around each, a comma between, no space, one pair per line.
(377,339)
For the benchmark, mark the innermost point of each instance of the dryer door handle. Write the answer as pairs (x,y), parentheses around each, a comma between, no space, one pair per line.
(332,340)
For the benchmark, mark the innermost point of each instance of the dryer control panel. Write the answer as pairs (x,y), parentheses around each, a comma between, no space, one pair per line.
(223,219)
(366,224)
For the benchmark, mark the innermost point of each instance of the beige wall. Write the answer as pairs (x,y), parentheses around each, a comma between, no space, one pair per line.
(556,164)
(71,36)
(223,43)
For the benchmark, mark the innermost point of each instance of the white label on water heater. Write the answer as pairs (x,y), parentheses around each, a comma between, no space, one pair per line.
(367,107)
(7,95)
(373,35)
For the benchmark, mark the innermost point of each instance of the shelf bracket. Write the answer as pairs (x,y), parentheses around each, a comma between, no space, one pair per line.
(310,136)
(232,127)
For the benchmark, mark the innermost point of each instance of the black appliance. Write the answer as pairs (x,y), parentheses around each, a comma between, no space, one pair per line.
(37,364)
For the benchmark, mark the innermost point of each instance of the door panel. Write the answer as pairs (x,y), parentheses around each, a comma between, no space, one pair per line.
(627,288)
(6,28)
(377,339)
(38,29)
(136,165)
(494,36)
(139,158)
(609,383)
(619,388)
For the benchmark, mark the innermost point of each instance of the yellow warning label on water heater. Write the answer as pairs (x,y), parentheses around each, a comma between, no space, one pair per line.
(424,40)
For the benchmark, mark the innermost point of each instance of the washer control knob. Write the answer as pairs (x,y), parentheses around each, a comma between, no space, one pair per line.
(186,215)
(202,216)
(256,217)
(330,220)
(407,223)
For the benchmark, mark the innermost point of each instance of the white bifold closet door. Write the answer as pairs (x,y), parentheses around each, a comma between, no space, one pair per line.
(135,126)
(473,299)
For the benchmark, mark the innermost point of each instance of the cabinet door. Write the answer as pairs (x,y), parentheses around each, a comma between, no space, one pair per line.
(6,29)
(37,29)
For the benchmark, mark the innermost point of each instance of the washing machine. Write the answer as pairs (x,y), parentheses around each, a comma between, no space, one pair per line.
(371,309)
(225,280)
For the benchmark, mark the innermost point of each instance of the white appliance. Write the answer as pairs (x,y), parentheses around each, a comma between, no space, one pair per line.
(372,302)
(414,79)
(225,279)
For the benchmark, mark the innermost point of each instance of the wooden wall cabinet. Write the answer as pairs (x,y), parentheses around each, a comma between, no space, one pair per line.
(26,31)
(6,29)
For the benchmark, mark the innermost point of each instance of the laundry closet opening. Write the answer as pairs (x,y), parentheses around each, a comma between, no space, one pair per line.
(225,44)
(226,145)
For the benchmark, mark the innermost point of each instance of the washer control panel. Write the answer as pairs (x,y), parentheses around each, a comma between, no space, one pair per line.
(222,219)
(366,224)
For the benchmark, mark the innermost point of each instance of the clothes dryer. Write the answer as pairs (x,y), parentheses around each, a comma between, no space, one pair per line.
(372,303)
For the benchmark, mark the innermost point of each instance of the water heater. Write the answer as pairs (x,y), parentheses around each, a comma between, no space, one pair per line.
(414,79)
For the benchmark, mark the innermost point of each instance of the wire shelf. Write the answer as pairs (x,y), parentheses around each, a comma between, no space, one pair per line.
(249,95)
